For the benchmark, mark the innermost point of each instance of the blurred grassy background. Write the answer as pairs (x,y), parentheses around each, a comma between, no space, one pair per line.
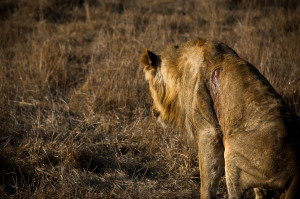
(75,115)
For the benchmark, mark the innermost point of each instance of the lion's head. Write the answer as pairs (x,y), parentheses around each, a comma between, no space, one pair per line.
(161,76)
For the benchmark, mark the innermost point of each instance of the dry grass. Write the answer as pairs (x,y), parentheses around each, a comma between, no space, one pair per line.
(75,116)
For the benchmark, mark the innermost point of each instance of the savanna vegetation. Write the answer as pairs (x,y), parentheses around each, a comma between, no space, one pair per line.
(75,118)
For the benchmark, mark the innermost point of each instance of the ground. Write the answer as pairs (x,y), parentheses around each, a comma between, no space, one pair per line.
(75,118)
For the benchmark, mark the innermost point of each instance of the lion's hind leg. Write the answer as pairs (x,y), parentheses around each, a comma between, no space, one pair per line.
(235,191)
(263,193)
(233,174)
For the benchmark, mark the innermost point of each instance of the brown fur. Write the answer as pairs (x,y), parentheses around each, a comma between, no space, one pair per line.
(203,85)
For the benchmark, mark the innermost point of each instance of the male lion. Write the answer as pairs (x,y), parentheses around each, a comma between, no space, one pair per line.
(238,120)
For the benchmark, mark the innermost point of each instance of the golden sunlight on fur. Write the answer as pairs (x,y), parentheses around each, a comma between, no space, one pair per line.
(240,123)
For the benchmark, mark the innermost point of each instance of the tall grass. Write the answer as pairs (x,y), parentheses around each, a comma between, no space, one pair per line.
(74,107)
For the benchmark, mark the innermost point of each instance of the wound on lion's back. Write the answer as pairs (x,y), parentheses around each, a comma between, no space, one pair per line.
(216,91)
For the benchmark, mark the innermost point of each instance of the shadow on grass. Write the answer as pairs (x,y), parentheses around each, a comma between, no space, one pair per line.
(12,177)
(107,160)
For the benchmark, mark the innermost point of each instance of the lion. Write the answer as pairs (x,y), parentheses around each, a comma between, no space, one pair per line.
(241,125)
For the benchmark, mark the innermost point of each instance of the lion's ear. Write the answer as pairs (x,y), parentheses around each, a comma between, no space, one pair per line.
(149,60)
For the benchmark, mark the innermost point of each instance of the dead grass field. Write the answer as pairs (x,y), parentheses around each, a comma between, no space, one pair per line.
(75,117)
